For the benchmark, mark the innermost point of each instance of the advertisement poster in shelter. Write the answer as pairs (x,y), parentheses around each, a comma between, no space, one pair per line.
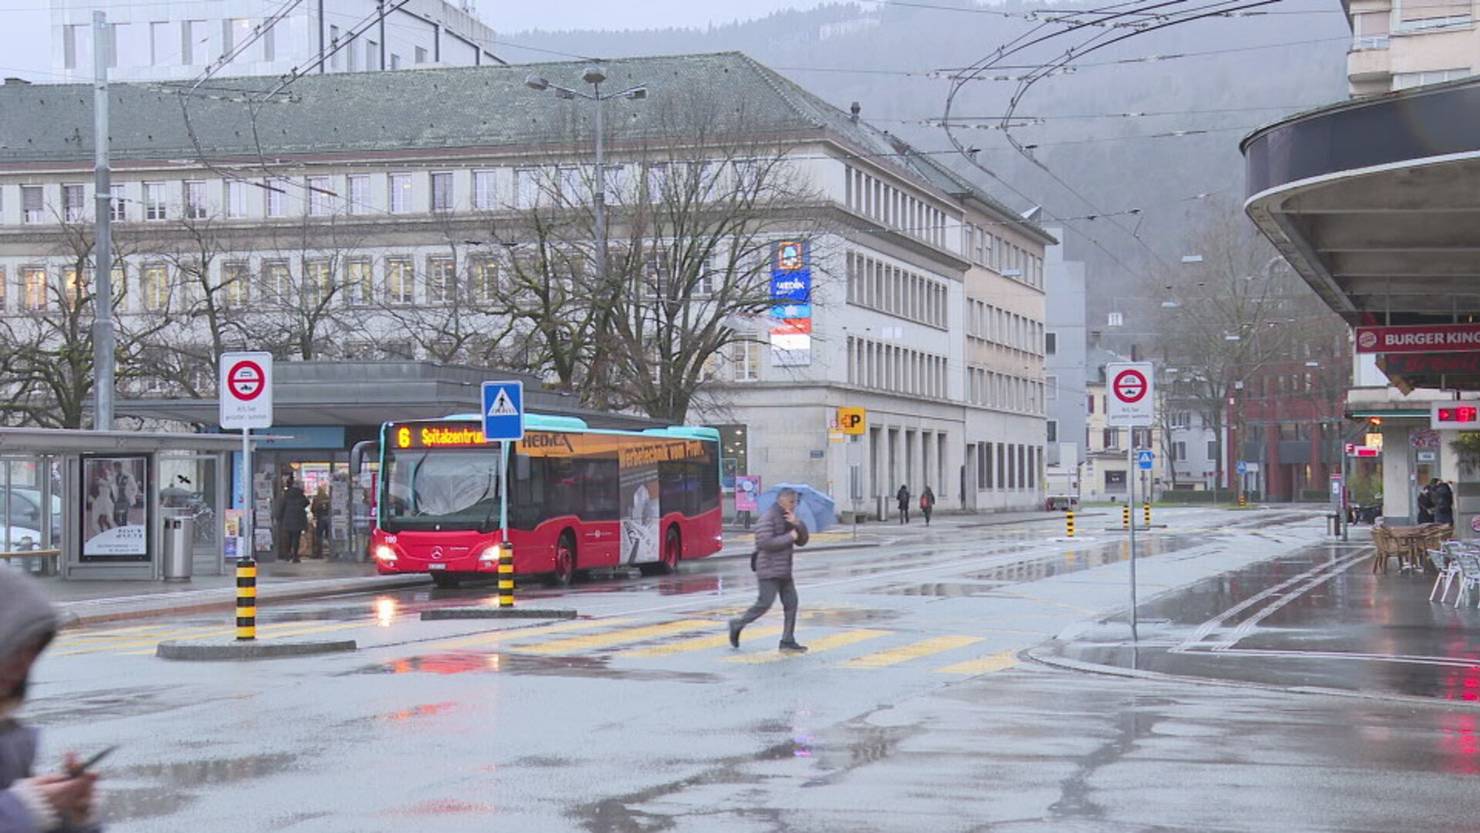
(115,510)
(747,490)
(640,513)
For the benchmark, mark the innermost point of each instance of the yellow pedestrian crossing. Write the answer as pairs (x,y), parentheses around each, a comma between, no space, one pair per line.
(702,643)
(984,665)
(913,651)
(831,642)
(510,634)
(574,644)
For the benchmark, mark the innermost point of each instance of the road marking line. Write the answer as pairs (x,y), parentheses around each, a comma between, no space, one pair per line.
(982,665)
(700,643)
(1206,629)
(916,650)
(912,651)
(518,633)
(816,646)
(618,637)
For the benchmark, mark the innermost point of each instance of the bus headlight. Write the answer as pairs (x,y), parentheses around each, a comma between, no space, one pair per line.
(385,554)
(489,554)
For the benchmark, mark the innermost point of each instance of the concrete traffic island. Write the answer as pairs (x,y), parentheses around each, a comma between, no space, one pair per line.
(244,650)
(495,613)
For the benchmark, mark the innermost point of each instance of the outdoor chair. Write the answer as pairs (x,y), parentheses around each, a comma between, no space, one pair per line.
(1447,568)
(1469,572)
(1387,546)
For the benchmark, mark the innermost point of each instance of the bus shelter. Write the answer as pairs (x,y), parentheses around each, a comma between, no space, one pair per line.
(95,504)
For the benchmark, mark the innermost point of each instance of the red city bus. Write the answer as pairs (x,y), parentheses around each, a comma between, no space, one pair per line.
(579,498)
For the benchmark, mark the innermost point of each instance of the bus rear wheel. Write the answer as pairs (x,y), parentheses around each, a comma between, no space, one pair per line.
(565,561)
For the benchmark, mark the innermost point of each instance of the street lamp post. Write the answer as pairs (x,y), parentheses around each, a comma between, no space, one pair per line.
(594,75)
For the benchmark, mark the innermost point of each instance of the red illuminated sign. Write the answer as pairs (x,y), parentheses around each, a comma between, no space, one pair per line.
(1459,413)
(1429,338)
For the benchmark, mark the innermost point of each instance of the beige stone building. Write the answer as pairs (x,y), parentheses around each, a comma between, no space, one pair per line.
(1400,44)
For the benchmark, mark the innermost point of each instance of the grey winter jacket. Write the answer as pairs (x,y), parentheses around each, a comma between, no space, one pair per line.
(25,618)
(773,544)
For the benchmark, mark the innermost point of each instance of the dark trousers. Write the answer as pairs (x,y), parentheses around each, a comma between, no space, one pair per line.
(320,537)
(767,589)
(290,544)
(904,514)
(926,513)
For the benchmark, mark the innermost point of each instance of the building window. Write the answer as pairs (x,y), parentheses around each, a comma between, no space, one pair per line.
(400,185)
(154,286)
(269,44)
(195,200)
(441,192)
(70,37)
(236,198)
(395,61)
(1053,431)
(117,205)
(372,55)
(1051,387)
(33,288)
(359,284)
(400,281)
(275,198)
(1179,452)
(33,204)
(483,272)
(421,54)
(1407,80)
(1050,344)
(159,43)
(1110,438)
(320,196)
(483,190)
(318,282)
(1212,449)
(192,41)
(334,45)
(234,30)
(441,280)
(358,201)
(154,207)
(277,282)
(74,203)
(236,284)
(745,361)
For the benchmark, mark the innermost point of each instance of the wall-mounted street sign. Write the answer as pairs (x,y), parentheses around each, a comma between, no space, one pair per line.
(852,421)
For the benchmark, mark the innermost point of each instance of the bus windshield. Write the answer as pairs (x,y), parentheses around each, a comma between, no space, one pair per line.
(440,490)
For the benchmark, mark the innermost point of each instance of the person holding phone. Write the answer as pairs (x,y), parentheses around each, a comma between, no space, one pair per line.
(56,802)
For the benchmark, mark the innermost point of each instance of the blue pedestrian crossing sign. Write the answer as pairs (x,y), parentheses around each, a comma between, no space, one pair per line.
(503,411)
(1242,467)
(1144,459)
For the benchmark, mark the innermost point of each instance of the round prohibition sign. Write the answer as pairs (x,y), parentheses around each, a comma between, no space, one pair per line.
(245,380)
(1130,386)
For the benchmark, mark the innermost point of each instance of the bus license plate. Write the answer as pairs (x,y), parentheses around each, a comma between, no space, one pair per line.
(436,566)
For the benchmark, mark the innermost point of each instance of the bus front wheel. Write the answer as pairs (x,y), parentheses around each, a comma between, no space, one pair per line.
(446,580)
(565,561)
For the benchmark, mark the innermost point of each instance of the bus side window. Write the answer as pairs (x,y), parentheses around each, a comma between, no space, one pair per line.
(521,467)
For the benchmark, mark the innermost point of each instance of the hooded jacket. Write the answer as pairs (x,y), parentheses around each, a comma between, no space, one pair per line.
(26,619)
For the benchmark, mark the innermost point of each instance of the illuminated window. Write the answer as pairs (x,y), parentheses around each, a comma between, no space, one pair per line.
(236,284)
(400,280)
(359,282)
(441,280)
(154,285)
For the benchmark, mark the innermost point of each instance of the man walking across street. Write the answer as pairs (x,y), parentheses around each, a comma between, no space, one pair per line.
(776,537)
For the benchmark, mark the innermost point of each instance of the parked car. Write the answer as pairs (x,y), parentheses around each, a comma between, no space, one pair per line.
(1067,503)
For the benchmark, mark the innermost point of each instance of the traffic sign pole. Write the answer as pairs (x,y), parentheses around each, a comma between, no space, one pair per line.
(503,491)
(1130,484)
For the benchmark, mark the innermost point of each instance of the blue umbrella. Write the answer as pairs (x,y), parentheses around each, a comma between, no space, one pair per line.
(814,508)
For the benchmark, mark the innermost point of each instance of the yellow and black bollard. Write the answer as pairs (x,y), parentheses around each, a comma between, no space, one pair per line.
(1146,510)
(246,600)
(505,575)
(1125,516)
(1242,500)
(1069,525)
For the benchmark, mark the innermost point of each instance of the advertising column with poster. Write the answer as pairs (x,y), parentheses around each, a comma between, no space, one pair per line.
(791,300)
(115,511)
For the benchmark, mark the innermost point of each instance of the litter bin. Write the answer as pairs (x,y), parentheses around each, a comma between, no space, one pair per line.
(179,548)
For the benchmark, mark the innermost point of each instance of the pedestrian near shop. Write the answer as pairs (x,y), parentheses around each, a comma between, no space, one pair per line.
(1443,502)
(1426,503)
(927,504)
(322,510)
(291,518)
(62,801)
(902,497)
(777,536)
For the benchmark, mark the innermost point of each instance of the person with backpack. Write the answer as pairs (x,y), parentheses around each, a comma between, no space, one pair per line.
(902,497)
(1426,504)
(1443,502)
(777,536)
(291,518)
(927,504)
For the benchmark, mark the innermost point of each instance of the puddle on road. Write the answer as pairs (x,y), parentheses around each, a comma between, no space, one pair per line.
(172,783)
(594,667)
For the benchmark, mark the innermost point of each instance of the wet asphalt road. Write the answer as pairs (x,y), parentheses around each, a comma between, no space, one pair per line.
(913,711)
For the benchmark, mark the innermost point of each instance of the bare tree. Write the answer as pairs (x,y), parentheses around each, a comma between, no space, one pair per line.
(694,213)
(304,290)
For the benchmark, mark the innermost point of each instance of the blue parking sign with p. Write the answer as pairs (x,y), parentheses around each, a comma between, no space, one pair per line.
(503,411)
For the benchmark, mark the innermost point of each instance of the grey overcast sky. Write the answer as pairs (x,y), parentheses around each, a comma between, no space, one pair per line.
(25,47)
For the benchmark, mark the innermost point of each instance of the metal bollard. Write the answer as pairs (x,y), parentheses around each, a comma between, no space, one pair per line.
(246,600)
(506,575)
(1069,525)
(1146,510)
(1125,516)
